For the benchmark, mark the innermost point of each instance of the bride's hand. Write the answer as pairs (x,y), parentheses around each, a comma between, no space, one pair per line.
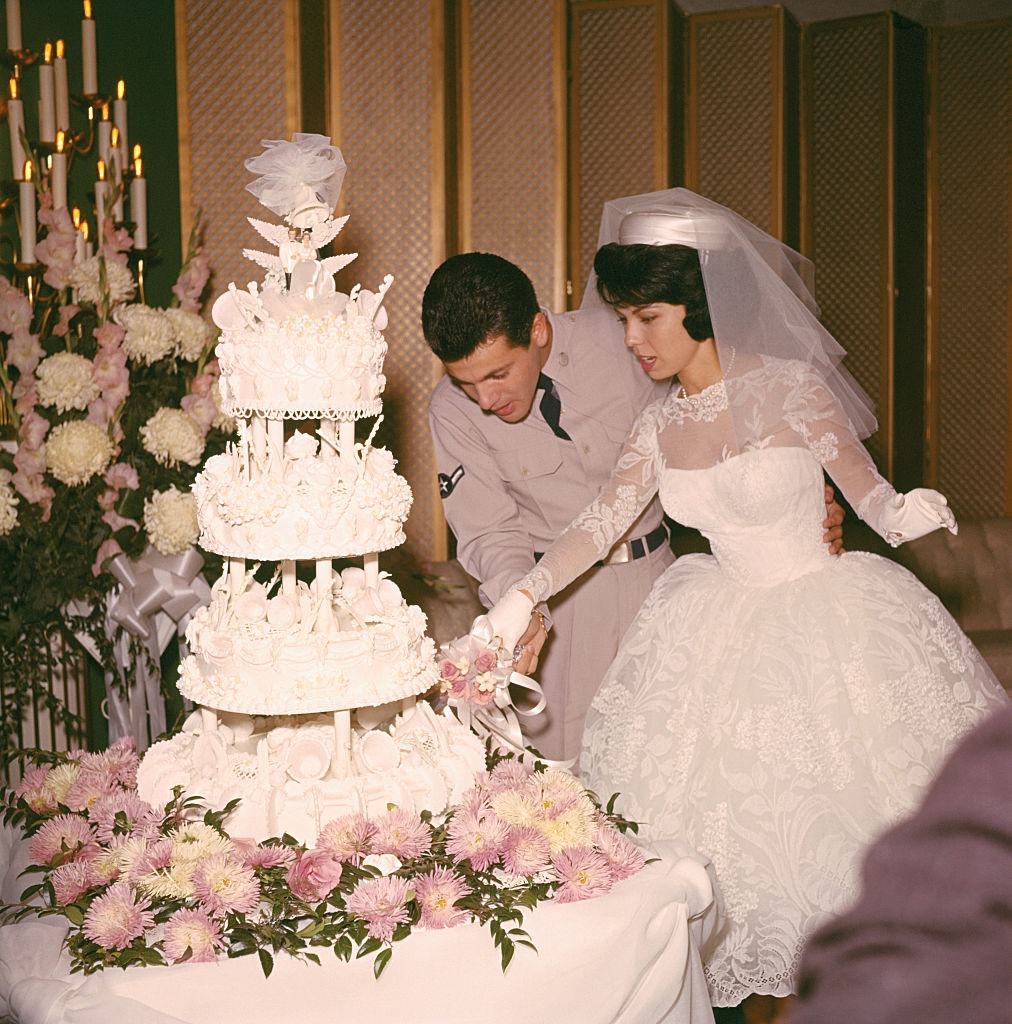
(528,649)
(916,514)
(510,618)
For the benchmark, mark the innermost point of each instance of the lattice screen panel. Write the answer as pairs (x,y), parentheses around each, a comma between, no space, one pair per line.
(847,143)
(384,63)
(235,67)
(731,70)
(617,115)
(974,115)
(512,135)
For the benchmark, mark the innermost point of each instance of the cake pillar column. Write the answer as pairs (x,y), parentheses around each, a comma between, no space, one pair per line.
(371,565)
(342,743)
(324,581)
(276,446)
(328,431)
(258,430)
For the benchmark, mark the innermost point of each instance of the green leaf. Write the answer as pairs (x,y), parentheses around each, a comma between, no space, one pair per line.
(367,947)
(507,951)
(266,962)
(74,914)
(381,961)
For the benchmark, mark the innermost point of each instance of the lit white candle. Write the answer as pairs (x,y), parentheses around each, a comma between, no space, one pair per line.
(116,175)
(14,25)
(89,52)
(16,124)
(80,237)
(105,136)
(119,118)
(62,89)
(26,190)
(58,178)
(139,202)
(47,97)
(101,197)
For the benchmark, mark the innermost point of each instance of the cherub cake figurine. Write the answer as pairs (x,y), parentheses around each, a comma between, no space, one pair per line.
(300,181)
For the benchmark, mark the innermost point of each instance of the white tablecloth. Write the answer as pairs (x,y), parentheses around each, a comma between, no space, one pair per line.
(630,957)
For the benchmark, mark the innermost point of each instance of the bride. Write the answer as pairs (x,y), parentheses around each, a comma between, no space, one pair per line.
(772,705)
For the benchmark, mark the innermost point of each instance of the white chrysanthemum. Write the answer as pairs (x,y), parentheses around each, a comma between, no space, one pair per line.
(173,437)
(65,381)
(76,451)
(86,281)
(191,333)
(149,333)
(170,519)
(196,841)
(8,504)
(174,882)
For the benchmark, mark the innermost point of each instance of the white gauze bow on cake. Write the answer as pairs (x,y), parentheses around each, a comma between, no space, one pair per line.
(300,179)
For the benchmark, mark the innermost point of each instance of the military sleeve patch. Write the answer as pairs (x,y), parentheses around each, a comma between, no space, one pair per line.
(448,482)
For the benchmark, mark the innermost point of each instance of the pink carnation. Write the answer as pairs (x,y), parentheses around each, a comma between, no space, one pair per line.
(118,917)
(403,834)
(63,835)
(265,855)
(314,875)
(349,837)
(583,873)
(477,837)
(436,892)
(526,851)
(222,884)
(71,880)
(193,936)
(32,789)
(123,814)
(381,903)
(624,857)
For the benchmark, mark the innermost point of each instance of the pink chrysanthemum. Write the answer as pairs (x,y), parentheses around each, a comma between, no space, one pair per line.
(70,880)
(381,903)
(65,834)
(583,873)
(349,837)
(472,801)
(123,814)
(88,788)
(223,884)
(117,917)
(402,833)
(526,851)
(119,761)
(262,855)
(314,875)
(478,838)
(194,932)
(156,855)
(624,858)
(508,774)
(32,788)
(436,892)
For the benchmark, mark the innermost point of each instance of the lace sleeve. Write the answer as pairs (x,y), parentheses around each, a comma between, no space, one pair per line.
(595,530)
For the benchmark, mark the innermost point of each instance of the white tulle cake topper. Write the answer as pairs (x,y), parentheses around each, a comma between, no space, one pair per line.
(298,180)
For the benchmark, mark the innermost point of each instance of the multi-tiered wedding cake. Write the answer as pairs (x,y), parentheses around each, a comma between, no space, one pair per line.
(307,687)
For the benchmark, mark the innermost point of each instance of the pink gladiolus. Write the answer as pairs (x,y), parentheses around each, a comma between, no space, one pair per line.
(478,838)
(57,249)
(33,430)
(122,475)
(116,242)
(583,873)
(436,893)
(15,309)
(624,857)
(192,935)
(24,351)
(109,335)
(71,880)
(526,851)
(201,409)
(63,835)
(349,837)
(190,283)
(67,313)
(402,833)
(107,549)
(222,884)
(118,917)
(314,875)
(381,903)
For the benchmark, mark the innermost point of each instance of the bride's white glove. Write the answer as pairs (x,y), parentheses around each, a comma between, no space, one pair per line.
(509,617)
(915,514)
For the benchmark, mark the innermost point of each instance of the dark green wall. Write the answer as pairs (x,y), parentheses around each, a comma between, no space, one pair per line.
(136,42)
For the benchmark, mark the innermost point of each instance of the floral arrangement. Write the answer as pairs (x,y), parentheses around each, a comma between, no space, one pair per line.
(111,405)
(470,671)
(141,885)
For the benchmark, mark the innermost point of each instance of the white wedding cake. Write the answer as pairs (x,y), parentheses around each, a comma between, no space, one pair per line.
(307,686)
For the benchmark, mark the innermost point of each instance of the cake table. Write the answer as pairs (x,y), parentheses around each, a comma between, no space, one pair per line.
(629,957)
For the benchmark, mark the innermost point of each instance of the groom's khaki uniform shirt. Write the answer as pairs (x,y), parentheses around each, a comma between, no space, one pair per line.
(509,489)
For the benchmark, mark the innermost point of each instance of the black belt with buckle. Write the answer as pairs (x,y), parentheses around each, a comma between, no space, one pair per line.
(629,550)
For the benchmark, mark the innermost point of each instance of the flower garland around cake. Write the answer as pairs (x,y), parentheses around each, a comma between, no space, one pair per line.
(141,885)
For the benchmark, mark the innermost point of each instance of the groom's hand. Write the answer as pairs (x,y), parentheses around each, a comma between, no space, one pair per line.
(833,524)
(530,645)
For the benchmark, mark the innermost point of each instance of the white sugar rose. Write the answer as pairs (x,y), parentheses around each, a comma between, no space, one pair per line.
(149,334)
(85,279)
(76,451)
(173,437)
(191,333)
(8,504)
(252,606)
(282,611)
(301,445)
(65,381)
(170,519)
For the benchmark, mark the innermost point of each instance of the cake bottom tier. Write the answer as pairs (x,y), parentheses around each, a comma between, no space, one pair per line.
(287,777)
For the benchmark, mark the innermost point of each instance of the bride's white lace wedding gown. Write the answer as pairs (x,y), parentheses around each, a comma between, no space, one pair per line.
(772,704)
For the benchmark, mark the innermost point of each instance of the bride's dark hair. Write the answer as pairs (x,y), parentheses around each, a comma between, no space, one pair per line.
(636,275)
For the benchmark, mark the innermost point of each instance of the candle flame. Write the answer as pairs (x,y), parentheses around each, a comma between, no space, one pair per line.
(120,89)
(13,88)
(75,216)
(47,53)
(28,170)
(137,151)
(137,168)
(87,8)
(101,170)
(49,162)
(85,230)
(59,49)
(114,136)
(61,140)
(105,111)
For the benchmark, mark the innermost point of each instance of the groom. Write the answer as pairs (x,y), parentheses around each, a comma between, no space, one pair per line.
(528,425)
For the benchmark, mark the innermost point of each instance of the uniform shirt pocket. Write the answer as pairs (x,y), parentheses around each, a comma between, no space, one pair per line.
(530,474)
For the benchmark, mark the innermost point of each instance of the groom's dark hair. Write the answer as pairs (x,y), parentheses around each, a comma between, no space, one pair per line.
(636,275)
(473,297)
